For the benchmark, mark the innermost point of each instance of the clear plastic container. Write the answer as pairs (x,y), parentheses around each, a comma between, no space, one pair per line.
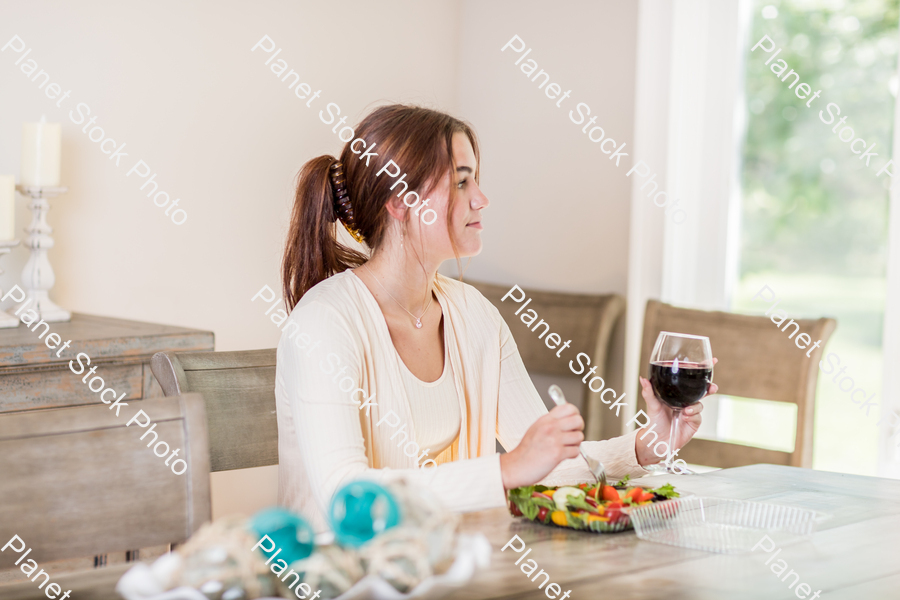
(722,525)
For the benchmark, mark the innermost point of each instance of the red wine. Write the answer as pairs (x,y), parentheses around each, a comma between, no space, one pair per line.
(679,387)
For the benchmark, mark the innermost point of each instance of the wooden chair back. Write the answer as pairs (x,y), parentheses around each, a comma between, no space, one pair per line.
(586,319)
(78,482)
(756,360)
(239,389)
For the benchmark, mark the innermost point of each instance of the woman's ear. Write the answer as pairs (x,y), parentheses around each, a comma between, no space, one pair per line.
(396,208)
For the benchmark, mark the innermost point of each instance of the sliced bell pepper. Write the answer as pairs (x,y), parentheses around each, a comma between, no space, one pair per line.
(634,493)
(646,497)
(610,493)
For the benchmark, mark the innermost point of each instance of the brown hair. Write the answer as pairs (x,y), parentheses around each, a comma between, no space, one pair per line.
(417,139)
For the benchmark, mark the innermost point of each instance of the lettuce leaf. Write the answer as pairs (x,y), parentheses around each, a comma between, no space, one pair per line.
(576,520)
(548,504)
(530,511)
(667,491)
(521,493)
(581,503)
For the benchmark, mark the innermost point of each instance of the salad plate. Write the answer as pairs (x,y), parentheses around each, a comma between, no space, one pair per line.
(586,506)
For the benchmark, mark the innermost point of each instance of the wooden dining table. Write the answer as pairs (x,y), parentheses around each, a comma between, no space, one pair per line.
(854,553)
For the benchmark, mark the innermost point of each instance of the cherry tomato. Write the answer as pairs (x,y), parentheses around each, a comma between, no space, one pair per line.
(542,514)
(613,514)
(613,511)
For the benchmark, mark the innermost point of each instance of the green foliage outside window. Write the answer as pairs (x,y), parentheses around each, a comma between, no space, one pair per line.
(810,204)
(814,218)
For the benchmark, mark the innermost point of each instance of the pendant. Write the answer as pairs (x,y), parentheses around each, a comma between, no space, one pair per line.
(418,324)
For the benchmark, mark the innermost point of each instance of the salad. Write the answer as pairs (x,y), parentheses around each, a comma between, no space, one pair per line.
(586,506)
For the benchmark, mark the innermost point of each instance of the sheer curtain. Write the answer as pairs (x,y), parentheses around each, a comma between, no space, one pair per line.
(689,130)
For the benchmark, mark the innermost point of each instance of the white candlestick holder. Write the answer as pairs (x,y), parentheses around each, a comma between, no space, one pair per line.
(37,276)
(7,321)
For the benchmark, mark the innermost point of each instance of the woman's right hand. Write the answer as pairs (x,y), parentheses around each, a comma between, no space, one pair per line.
(551,439)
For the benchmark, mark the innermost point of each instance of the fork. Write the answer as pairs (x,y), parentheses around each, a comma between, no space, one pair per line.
(595,466)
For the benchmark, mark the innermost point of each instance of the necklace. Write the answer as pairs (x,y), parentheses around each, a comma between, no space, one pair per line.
(419,318)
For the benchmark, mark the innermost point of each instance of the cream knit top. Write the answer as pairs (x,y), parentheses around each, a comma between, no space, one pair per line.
(434,407)
(340,398)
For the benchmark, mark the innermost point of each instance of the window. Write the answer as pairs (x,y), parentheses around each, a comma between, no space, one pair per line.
(814,224)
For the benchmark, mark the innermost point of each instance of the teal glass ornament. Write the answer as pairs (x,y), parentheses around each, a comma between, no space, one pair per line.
(289,531)
(361,510)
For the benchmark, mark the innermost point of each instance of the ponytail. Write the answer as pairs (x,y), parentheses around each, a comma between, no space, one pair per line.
(312,252)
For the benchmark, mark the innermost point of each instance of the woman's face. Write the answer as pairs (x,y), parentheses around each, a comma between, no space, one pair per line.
(465,217)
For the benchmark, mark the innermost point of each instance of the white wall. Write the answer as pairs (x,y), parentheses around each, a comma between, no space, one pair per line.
(559,213)
(178,84)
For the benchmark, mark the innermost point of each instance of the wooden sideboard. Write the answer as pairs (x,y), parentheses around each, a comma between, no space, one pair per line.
(33,377)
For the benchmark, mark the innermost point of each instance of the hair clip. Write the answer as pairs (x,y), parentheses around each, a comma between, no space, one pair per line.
(343,210)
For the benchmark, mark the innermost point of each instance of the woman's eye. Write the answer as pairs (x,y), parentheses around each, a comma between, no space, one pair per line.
(461,184)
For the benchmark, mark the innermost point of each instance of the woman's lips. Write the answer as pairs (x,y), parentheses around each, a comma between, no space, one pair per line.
(475,225)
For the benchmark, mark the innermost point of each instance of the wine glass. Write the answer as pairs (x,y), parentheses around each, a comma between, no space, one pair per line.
(681,371)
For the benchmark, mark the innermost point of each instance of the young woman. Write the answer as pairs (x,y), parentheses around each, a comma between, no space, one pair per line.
(385,365)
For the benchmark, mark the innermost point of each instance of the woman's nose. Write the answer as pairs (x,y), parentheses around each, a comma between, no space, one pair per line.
(479,200)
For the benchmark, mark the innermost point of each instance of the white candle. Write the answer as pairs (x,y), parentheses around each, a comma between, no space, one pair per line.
(7,207)
(40,153)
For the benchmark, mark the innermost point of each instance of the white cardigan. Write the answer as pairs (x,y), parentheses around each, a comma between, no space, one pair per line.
(337,336)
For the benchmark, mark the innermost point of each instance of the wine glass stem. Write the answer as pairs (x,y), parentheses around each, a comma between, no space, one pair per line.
(673,436)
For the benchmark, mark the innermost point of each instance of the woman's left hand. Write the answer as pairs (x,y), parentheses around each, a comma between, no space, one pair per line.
(661,416)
